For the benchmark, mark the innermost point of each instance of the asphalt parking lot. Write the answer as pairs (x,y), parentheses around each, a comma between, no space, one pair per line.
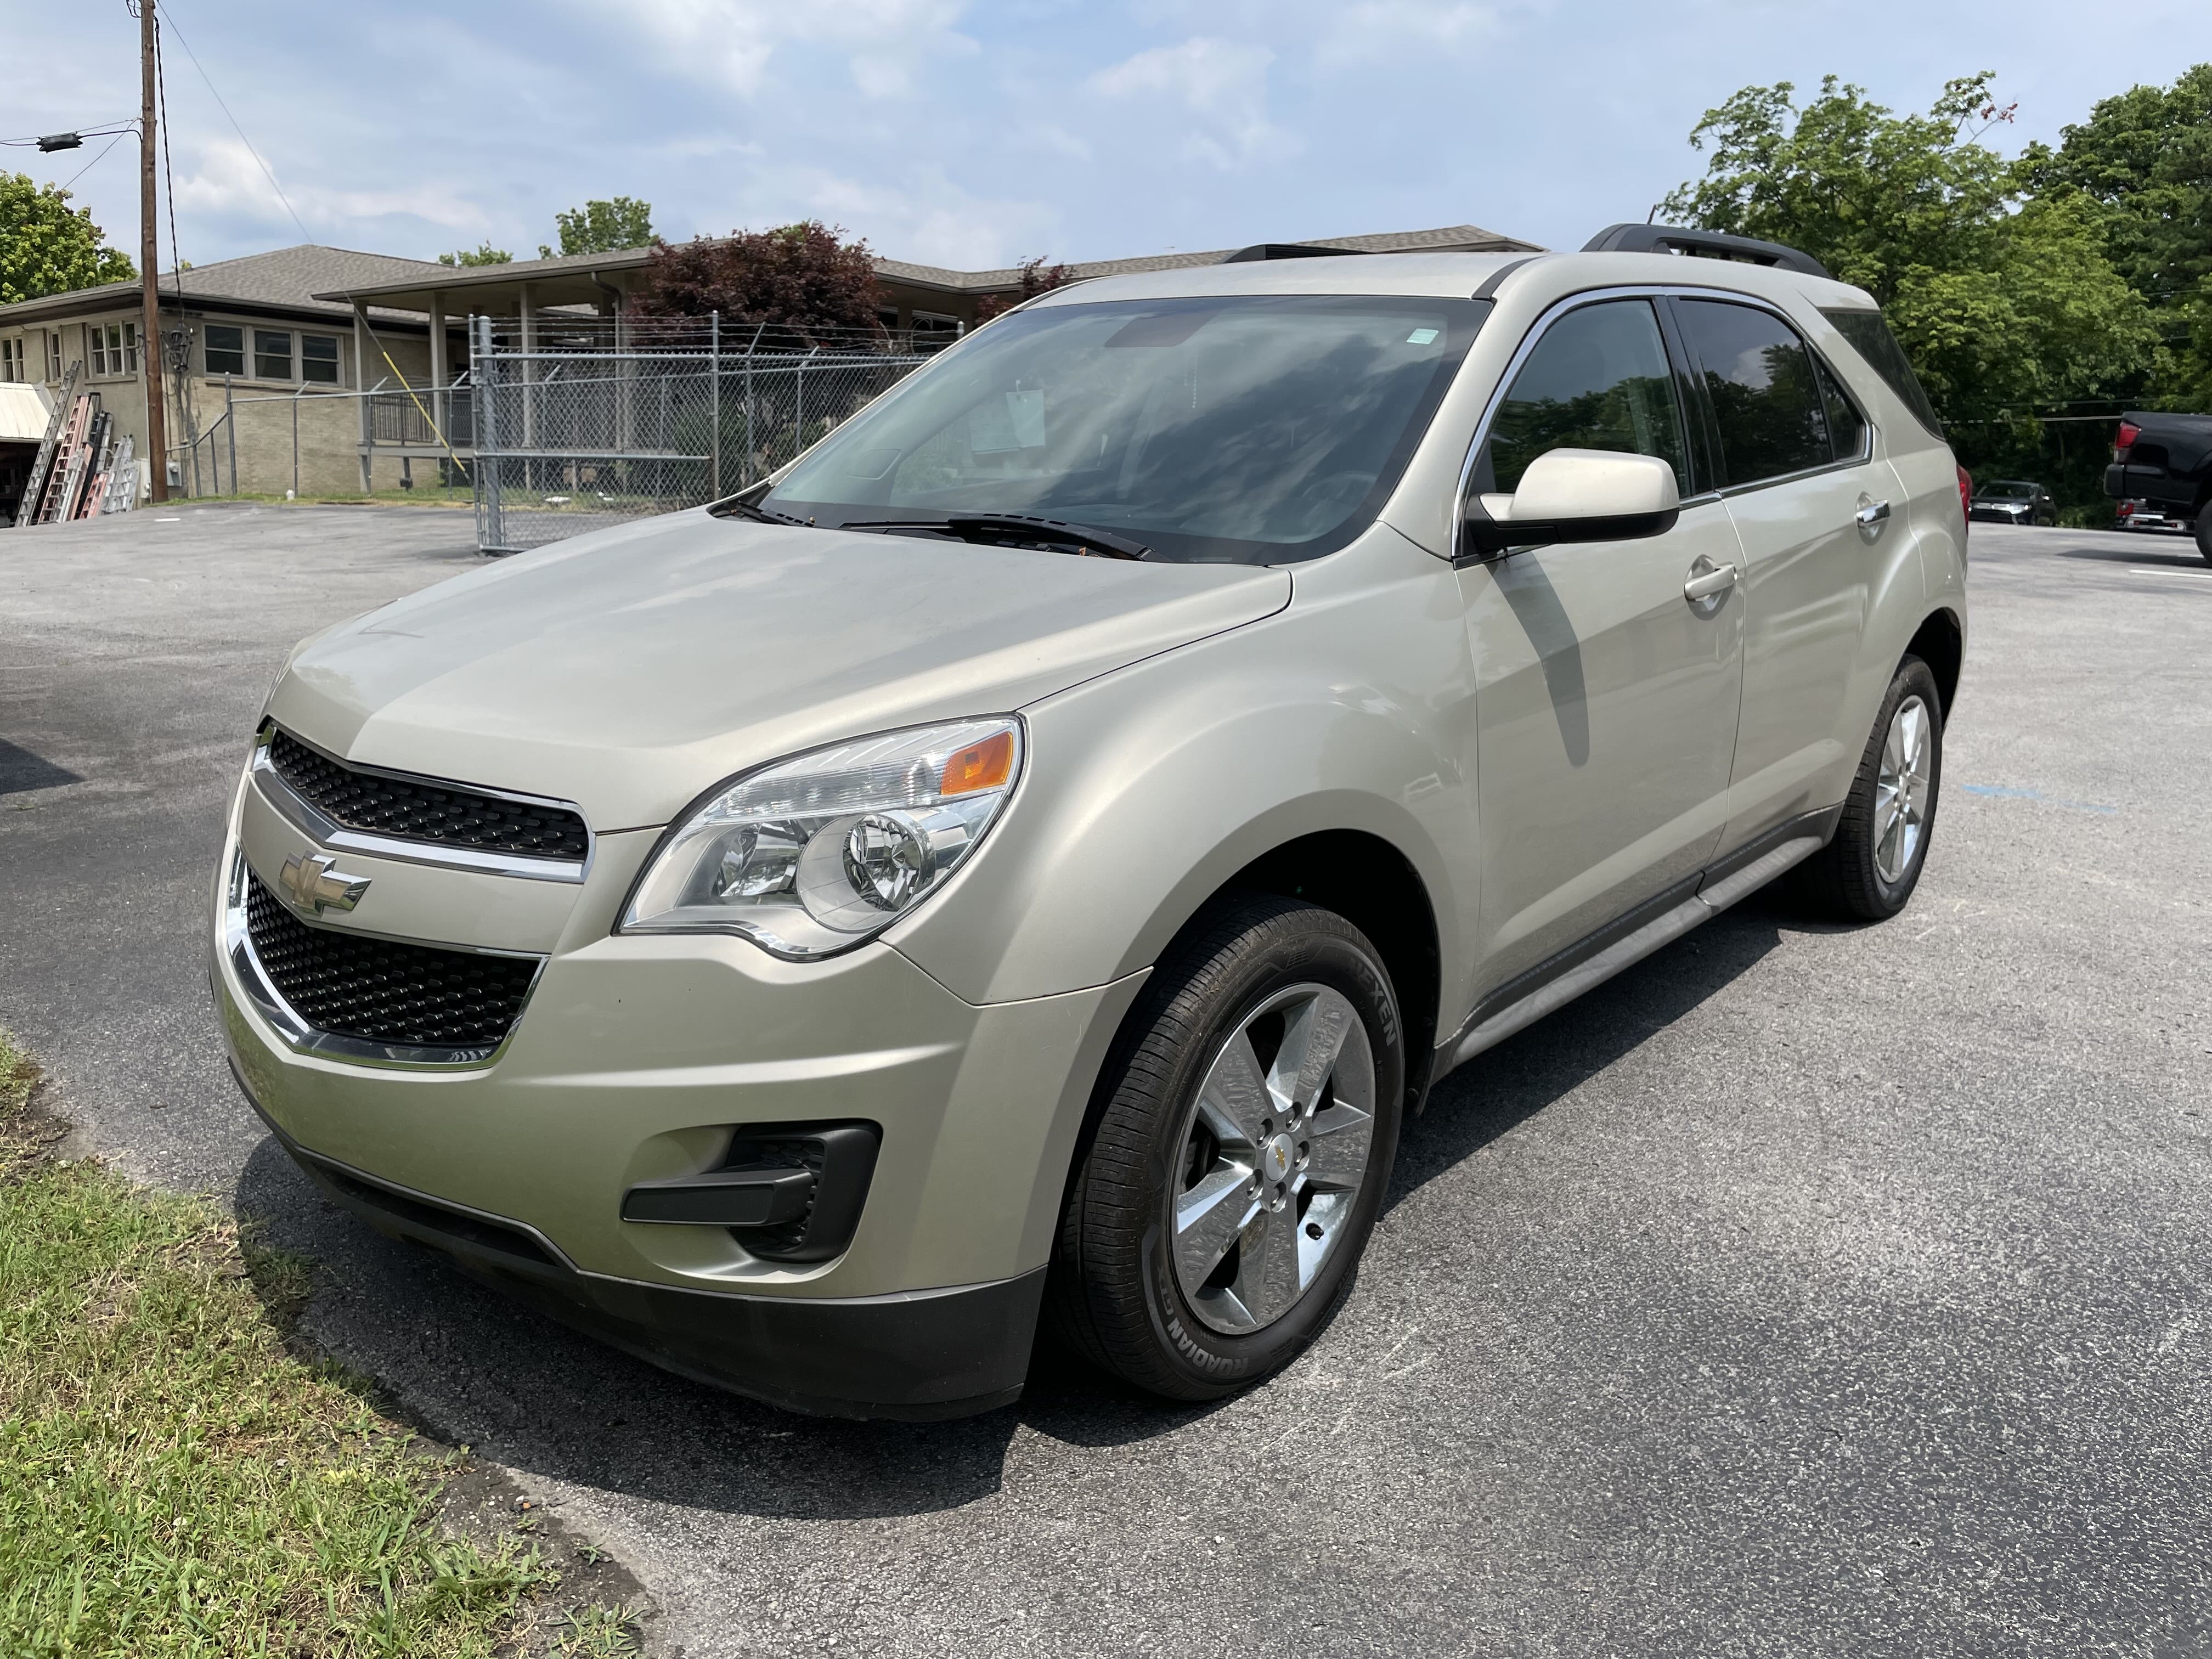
(1803,1291)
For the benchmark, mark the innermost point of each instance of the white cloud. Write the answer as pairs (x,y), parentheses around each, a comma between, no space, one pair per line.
(920,216)
(1381,30)
(1224,88)
(730,43)
(229,182)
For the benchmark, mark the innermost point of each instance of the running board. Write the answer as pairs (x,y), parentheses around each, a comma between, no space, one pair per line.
(1663,930)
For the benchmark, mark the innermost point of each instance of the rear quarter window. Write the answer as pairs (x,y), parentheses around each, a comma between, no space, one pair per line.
(1869,336)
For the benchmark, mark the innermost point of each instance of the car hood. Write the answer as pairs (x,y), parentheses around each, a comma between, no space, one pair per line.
(629,670)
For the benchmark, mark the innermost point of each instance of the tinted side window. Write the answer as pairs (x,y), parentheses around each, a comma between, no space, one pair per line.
(1759,374)
(1870,337)
(1597,380)
(1846,426)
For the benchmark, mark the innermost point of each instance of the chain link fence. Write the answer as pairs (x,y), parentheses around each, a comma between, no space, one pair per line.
(579,423)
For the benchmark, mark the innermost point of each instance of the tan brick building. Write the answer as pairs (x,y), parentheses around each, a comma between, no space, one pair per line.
(237,332)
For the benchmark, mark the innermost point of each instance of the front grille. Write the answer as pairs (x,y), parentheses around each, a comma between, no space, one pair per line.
(421,809)
(381,991)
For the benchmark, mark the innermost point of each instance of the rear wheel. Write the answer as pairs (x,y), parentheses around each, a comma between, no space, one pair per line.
(2204,531)
(1241,1158)
(1868,873)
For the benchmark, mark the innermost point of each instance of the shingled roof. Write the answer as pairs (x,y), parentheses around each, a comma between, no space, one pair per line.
(565,279)
(308,280)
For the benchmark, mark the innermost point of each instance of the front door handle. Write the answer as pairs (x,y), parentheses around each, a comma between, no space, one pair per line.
(1706,583)
(1872,516)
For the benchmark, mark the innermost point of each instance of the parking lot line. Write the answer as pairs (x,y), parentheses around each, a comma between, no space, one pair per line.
(2193,575)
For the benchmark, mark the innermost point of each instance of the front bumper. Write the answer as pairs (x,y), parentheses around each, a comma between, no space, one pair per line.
(637,1059)
(920,1355)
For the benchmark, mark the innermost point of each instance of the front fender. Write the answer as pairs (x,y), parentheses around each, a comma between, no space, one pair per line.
(1149,788)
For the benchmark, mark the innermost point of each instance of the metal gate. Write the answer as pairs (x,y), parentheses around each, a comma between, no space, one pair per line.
(580,423)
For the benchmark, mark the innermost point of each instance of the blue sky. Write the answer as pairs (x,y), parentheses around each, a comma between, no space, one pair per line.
(975,132)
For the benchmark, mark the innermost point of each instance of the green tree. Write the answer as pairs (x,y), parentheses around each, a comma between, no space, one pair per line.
(2144,160)
(603,228)
(484,255)
(2000,303)
(47,246)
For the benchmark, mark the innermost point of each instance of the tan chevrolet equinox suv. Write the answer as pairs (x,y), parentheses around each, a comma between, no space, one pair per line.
(1021,864)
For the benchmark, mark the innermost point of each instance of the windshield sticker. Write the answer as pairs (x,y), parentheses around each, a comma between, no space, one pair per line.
(1423,336)
(1016,423)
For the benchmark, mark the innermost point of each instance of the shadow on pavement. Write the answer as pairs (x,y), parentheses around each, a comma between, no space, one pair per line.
(2180,553)
(468,1367)
(1489,1095)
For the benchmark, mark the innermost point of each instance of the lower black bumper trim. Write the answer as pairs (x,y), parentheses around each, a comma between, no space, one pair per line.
(916,1355)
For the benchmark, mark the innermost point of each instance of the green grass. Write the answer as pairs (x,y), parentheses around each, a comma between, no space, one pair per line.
(173,1481)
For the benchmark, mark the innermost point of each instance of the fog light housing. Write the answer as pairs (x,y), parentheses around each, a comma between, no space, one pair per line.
(787,1191)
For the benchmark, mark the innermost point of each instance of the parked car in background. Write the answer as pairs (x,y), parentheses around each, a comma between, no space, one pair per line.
(2164,463)
(2013,501)
(1026,859)
(2142,515)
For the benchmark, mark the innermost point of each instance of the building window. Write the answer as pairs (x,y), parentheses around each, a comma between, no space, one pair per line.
(272,355)
(319,358)
(226,349)
(114,348)
(54,354)
(11,360)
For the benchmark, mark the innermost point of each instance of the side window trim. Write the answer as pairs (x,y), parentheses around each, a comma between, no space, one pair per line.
(1549,317)
(1822,366)
(1702,435)
(1696,408)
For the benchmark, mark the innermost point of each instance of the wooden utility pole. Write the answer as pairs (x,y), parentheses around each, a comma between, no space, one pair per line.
(149,256)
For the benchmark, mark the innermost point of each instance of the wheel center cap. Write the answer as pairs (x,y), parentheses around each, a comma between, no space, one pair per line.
(1277,1156)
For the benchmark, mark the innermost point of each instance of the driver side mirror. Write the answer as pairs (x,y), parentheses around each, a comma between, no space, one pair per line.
(1576,495)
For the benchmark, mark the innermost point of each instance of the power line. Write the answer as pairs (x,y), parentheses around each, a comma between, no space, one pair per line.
(100,131)
(234,127)
(98,159)
(168,177)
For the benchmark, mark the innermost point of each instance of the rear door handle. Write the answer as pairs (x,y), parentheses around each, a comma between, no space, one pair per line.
(1872,516)
(1704,584)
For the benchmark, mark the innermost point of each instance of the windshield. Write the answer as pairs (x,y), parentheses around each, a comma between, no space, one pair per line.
(2005,490)
(1252,429)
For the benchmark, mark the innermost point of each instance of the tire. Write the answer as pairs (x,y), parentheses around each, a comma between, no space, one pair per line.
(1863,874)
(2204,531)
(1187,1128)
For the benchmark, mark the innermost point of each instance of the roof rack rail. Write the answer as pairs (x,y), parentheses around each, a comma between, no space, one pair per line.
(1288,251)
(1709,243)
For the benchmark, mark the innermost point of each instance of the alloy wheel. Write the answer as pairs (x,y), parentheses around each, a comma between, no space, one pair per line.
(1274,1151)
(1902,791)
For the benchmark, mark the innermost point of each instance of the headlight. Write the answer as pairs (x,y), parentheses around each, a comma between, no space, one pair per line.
(822,851)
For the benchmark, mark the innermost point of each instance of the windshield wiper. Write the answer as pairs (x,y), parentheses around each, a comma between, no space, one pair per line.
(1013,529)
(745,509)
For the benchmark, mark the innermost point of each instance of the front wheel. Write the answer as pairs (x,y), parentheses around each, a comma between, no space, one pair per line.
(1868,873)
(1241,1158)
(2204,531)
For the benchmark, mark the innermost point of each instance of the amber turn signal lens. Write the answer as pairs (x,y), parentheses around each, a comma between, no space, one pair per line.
(984,765)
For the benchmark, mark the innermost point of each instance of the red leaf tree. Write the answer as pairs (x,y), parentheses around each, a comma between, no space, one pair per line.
(1036,277)
(804,278)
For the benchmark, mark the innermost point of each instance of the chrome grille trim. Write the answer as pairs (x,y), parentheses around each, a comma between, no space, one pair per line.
(303,1037)
(313,822)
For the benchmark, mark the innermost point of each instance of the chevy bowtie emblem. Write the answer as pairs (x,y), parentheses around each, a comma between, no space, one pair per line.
(313,884)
